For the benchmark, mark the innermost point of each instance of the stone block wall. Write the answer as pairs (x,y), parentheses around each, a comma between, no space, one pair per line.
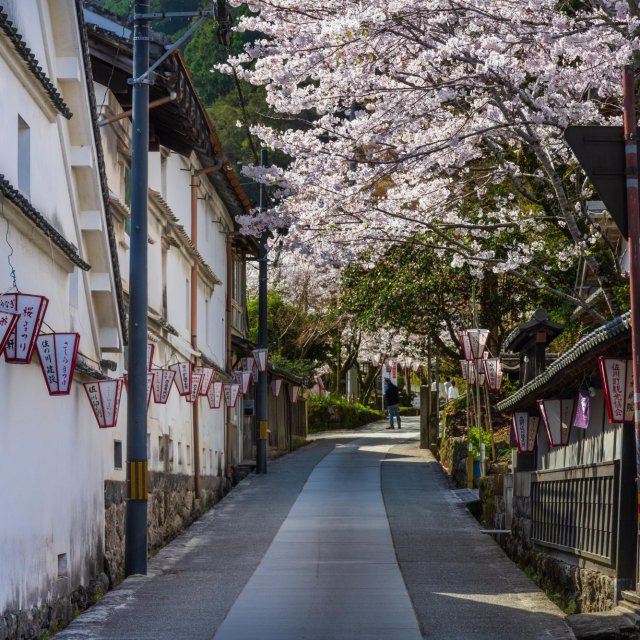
(51,615)
(172,507)
(453,456)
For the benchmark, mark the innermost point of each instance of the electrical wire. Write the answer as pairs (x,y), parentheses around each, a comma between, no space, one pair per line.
(12,270)
(245,118)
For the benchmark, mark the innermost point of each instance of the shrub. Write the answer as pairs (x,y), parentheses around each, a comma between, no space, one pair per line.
(476,436)
(332,412)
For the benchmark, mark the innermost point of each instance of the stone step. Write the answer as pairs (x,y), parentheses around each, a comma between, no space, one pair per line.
(631,596)
(629,609)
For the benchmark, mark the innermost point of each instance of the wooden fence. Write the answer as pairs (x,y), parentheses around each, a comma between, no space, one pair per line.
(576,510)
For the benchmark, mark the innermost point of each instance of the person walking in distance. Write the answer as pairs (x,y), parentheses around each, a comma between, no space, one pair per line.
(452,394)
(393,399)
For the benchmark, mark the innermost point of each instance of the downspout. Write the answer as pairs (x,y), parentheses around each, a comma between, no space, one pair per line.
(229,449)
(195,183)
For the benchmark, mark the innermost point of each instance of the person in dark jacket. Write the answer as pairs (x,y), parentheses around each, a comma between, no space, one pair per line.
(393,399)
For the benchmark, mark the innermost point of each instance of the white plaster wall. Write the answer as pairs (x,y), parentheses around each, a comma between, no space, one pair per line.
(49,190)
(51,448)
(53,464)
(154,264)
(178,189)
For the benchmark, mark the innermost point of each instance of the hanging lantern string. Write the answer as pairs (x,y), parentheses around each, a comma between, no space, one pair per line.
(172,355)
(12,270)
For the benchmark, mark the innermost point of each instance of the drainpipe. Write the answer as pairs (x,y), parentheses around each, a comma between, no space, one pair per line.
(228,319)
(195,183)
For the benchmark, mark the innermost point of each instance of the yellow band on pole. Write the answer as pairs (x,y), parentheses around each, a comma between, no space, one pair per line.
(264,429)
(138,479)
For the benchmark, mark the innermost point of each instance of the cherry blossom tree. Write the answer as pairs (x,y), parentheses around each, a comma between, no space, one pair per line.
(438,122)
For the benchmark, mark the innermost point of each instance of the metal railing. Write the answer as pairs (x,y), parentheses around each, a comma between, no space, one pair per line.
(576,510)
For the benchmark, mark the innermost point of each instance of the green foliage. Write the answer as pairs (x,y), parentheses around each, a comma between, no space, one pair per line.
(301,368)
(203,51)
(475,436)
(295,333)
(331,412)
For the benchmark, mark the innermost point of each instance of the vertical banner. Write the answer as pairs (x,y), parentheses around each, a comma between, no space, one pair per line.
(581,421)
(617,382)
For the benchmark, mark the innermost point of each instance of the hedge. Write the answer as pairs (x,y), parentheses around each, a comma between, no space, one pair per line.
(328,413)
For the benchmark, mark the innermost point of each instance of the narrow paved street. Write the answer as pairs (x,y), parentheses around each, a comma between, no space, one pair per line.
(355,536)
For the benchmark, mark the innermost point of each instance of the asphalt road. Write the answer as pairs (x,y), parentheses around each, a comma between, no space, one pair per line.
(354,536)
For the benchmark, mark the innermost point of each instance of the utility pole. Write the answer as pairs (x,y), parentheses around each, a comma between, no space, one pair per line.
(263,398)
(135,555)
(633,226)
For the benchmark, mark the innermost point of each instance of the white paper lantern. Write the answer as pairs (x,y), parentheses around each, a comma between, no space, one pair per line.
(162,382)
(22,338)
(231,392)
(214,395)
(183,371)
(104,396)
(58,353)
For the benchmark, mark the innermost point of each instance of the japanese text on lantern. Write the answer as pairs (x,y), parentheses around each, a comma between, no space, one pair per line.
(617,389)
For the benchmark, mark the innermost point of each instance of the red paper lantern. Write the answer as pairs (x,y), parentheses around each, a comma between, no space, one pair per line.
(231,392)
(162,381)
(58,353)
(617,382)
(557,417)
(22,339)
(276,386)
(214,395)
(183,377)
(104,396)
(196,383)
(464,366)
(208,375)
(8,321)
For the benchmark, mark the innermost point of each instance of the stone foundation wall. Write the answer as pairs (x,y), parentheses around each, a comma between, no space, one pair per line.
(172,508)
(574,587)
(453,456)
(52,616)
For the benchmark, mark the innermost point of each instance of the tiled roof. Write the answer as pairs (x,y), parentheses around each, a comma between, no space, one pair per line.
(30,212)
(599,338)
(32,64)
